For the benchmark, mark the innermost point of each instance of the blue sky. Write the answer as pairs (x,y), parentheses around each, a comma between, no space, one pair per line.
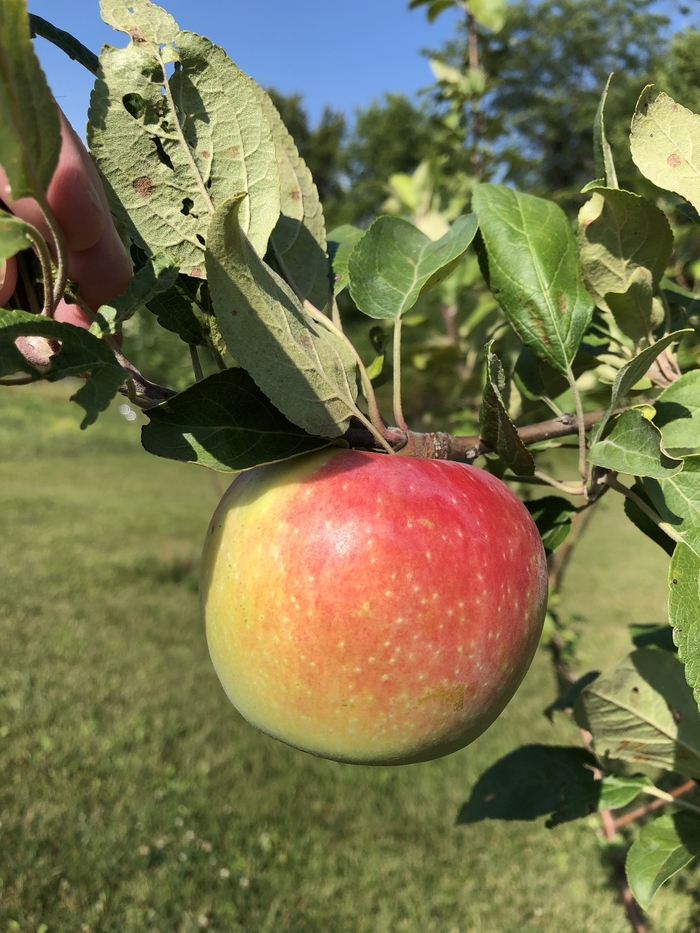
(342,54)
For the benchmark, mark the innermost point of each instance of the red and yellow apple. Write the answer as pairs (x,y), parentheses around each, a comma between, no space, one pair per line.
(370,608)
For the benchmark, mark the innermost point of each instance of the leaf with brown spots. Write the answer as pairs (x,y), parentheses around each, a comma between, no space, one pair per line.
(643,711)
(172,149)
(529,258)
(665,144)
(625,243)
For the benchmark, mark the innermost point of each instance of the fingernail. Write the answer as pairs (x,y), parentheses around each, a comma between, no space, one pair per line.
(3,271)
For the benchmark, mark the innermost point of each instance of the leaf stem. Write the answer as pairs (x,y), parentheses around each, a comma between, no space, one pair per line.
(582,462)
(42,251)
(612,481)
(59,285)
(669,798)
(398,410)
(570,488)
(375,423)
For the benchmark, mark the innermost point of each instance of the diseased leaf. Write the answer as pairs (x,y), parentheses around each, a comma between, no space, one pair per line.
(298,240)
(664,847)
(634,446)
(80,354)
(226,423)
(677,500)
(535,781)
(684,611)
(30,140)
(166,169)
(602,153)
(552,515)
(341,243)
(14,235)
(665,141)
(643,711)
(625,243)
(496,428)
(532,266)
(394,262)
(678,412)
(629,375)
(141,20)
(307,372)
(157,276)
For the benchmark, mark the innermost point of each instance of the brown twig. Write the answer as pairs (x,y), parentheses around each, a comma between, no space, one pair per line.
(641,812)
(632,909)
(440,446)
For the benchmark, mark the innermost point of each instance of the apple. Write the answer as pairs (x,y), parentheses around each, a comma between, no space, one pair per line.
(371,608)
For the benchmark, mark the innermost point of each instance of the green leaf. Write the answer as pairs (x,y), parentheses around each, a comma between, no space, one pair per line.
(533,270)
(175,310)
(602,153)
(341,243)
(678,412)
(80,354)
(157,276)
(677,500)
(625,243)
(435,7)
(684,611)
(298,240)
(490,13)
(394,262)
(225,423)
(496,428)
(15,235)
(634,446)
(30,140)
(664,847)
(643,711)
(307,371)
(166,169)
(552,515)
(534,781)
(665,141)
(629,375)
(619,791)
(644,523)
(64,41)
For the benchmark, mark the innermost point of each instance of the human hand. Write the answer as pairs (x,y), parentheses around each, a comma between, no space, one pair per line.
(97,260)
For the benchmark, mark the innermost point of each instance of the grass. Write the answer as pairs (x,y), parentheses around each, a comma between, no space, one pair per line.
(133,797)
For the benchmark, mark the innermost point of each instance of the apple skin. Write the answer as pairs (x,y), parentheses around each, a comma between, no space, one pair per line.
(369,608)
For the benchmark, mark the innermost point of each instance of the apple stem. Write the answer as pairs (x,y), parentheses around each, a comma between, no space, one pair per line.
(398,410)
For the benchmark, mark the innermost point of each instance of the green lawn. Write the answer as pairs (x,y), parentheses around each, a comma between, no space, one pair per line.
(134,798)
